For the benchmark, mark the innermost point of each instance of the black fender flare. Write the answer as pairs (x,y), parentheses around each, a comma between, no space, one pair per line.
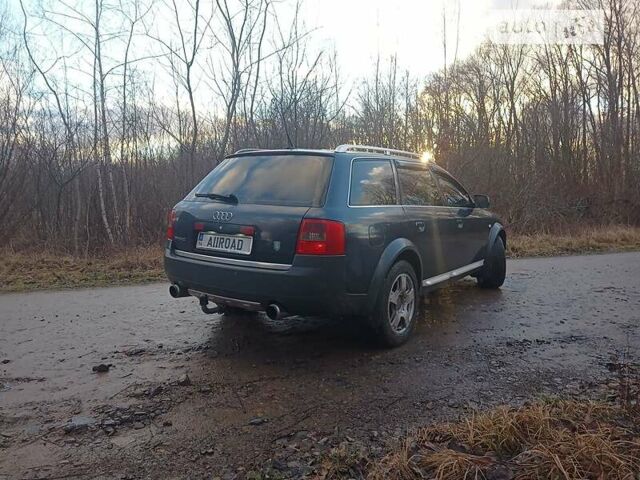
(389,256)
(496,229)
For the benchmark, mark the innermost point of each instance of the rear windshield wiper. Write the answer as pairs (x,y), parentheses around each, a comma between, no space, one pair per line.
(231,198)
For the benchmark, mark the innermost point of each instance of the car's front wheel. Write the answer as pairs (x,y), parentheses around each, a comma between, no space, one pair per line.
(394,316)
(495,266)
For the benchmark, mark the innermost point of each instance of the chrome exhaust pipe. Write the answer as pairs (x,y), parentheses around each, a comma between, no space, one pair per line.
(176,291)
(274,312)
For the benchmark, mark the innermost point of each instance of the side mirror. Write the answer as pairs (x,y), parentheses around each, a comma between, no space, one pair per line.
(481,201)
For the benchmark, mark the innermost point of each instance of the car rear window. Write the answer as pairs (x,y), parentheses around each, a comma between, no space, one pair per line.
(295,180)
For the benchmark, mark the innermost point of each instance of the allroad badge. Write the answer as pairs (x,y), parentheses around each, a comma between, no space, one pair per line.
(222,216)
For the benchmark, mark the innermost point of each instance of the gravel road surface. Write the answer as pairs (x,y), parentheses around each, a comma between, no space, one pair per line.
(191,395)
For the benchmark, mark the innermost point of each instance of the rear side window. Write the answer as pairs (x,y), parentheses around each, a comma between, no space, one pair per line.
(454,194)
(293,180)
(418,187)
(372,183)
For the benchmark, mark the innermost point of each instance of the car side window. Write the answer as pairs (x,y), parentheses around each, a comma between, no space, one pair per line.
(418,187)
(454,194)
(372,183)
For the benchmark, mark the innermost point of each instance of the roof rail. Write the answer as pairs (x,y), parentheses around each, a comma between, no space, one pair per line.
(382,150)
(246,150)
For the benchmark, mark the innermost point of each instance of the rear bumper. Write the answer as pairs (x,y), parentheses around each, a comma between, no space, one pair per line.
(310,286)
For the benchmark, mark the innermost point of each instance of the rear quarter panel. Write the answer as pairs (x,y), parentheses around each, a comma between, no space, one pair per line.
(369,230)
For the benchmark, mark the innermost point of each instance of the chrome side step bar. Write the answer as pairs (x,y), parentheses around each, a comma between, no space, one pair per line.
(429,282)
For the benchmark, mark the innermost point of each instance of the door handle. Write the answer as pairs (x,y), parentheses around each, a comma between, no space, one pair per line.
(421,226)
(460,223)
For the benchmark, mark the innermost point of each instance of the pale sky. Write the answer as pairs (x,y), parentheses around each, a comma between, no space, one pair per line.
(358,30)
(412,29)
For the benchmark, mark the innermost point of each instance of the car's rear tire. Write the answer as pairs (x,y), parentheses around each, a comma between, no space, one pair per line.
(495,266)
(396,308)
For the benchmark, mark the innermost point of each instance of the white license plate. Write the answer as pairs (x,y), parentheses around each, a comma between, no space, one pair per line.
(240,244)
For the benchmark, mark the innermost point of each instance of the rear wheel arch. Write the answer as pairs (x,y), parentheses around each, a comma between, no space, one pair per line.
(412,257)
(399,249)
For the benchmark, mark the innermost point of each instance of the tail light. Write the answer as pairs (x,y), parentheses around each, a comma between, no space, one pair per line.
(321,237)
(171,221)
(247,230)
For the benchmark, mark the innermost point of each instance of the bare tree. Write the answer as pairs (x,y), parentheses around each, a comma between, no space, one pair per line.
(97,141)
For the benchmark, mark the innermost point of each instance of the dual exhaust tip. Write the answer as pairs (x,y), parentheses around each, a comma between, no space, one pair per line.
(176,291)
(273,310)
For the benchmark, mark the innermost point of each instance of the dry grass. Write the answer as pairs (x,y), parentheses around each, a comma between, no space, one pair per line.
(344,461)
(581,240)
(42,270)
(546,440)
(21,271)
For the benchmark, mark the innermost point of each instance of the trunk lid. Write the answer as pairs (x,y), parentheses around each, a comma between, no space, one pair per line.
(273,239)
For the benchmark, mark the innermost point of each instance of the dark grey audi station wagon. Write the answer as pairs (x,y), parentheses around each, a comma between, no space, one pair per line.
(355,232)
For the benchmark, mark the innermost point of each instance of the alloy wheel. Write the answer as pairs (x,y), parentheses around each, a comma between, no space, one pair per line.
(401,304)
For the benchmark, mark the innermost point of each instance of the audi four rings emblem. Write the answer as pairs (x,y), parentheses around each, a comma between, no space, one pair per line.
(222,216)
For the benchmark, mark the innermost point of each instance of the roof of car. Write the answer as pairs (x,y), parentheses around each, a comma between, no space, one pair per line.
(281,151)
(348,150)
(343,149)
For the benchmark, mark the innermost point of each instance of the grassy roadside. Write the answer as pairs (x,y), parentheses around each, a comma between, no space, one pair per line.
(551,438)
(23,271)
(45,270)
(616,238)
(556,439)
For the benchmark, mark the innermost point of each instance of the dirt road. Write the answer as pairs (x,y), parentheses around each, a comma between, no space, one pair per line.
(190,395)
